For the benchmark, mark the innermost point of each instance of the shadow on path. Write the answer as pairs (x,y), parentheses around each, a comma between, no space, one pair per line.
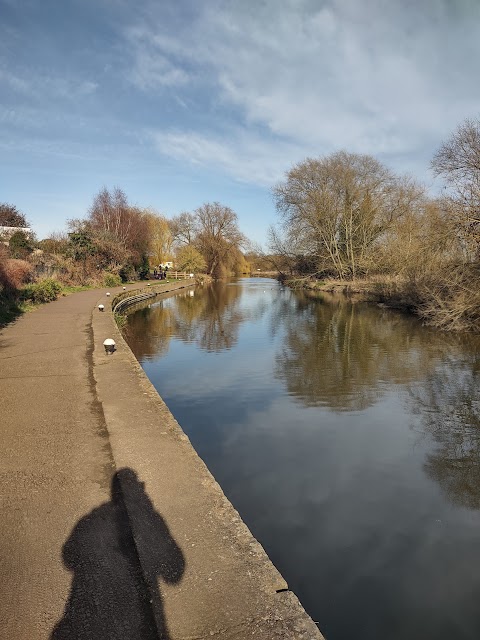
(111,597)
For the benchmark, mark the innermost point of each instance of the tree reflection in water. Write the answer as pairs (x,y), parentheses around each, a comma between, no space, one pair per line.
(448,401)
(150,329)
(210,318)
(343,356)
(213,321)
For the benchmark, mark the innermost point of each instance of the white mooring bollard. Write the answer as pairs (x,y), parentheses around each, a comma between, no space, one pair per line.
(109,345)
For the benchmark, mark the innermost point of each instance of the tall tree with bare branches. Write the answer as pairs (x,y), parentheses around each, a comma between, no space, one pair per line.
(183,228)
(112,218)
(335,209)
(458,163)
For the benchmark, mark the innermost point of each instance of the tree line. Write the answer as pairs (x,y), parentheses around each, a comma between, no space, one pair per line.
(129,241)
(117,241)
(344,216)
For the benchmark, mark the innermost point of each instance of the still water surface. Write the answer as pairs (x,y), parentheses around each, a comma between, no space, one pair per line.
(348,438)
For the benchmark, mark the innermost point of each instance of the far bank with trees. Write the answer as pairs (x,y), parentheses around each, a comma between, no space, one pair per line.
(347,218)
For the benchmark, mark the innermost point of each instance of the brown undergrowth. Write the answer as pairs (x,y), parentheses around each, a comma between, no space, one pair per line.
(448,299)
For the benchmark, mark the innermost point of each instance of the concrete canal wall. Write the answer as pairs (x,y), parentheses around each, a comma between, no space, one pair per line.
(229,587)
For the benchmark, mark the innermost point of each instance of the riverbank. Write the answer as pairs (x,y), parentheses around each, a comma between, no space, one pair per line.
(451,303)
(95,464)
(377,291)
(31,297)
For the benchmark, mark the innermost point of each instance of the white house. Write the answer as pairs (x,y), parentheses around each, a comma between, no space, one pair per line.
(7,232)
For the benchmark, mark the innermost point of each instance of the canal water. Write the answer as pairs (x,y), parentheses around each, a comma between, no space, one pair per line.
(348,438)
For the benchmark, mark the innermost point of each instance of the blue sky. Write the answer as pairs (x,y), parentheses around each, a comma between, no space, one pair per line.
(181,102)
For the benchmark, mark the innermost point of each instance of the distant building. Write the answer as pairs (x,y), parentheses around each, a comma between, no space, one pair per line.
(167,264)
(7,232)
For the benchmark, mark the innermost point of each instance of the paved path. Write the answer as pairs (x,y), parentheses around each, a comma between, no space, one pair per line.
(111,526)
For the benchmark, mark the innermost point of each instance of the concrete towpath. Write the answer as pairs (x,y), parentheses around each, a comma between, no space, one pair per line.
(111,526)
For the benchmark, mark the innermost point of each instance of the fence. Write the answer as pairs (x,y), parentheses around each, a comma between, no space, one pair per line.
(126,299)
(178,275)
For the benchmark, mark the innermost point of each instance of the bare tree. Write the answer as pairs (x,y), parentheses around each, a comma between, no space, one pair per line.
(284,251)
(183,228)
(458,162)
(337,208)
(111,218)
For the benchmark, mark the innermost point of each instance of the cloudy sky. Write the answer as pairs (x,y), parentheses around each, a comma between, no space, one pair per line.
(181,102)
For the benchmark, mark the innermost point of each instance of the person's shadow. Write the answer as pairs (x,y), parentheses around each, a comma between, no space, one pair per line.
(112,595)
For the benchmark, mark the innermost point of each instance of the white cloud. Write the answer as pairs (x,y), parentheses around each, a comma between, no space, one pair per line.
(152,71)
(248,158)
(41,85)
(152,68)
(366,80)
(14,82)
(87,87)
(372,77)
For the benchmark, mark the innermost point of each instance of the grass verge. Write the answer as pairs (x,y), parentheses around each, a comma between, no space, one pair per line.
(30,297)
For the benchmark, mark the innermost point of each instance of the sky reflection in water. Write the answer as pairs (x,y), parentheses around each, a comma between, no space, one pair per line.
(347,436)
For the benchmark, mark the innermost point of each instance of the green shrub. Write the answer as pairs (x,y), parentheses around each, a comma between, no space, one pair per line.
(127,273)
(43,291)
(144,269)
(20,245)
(111,280)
